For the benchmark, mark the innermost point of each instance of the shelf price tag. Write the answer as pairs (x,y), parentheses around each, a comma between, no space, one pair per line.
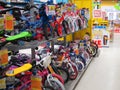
(1,23)
(51,9)
(3,83)
(9,22)
(36,83)
(3,57)
(81,44)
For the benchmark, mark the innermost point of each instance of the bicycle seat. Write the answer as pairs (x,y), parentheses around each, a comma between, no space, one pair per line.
(18,70)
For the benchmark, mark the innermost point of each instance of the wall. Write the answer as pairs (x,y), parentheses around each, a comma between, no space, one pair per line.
(84,4)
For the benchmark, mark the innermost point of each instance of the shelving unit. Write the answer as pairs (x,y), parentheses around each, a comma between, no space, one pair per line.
(35,43)
(31,44)
(18,3)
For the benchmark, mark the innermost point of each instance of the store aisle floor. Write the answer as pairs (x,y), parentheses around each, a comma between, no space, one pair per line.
(104,71)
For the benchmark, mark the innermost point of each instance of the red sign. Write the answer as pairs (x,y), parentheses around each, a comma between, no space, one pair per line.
(117,30)
(98,42)
(97,13)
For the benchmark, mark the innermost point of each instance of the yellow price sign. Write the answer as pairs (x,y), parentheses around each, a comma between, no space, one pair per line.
(9,22)
(3,83)
(69,8)
(9,17)
(3,57)
(36,83)
(81,44)
(2,20)
(51,7)
(2,23)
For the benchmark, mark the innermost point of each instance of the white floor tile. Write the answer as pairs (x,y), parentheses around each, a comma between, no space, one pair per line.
(104,71)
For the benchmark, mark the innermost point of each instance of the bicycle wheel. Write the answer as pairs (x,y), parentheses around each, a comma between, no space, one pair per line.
(86,56)
(64,73)
(94,44)
(58,77)
(81,58)
(94,51)
(48,88)
(79,24)
(48,31)
(66,27)
(74,73)
(56,84)
(58,30)
(80,65)
(52,32)
(70,23)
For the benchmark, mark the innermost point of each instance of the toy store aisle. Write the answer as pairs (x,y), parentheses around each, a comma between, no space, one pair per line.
(104,71)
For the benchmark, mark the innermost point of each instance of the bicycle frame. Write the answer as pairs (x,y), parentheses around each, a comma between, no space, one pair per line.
(47,65)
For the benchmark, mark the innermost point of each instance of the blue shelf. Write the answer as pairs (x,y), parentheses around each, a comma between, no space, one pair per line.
(18,2)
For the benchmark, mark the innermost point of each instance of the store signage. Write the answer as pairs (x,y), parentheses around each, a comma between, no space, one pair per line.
(9,23)
(117,30)
(3,57)
(1,23)
(109,9)
(36,83)
(2,83)
(51,9)
(98,42)
(101,36)
(97,13)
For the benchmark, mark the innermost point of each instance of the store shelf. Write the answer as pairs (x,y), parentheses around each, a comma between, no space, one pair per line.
(5,10)
(71,85)
(18,2)
(32,44)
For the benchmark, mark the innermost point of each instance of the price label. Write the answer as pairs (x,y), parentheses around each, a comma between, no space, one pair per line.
(3,57)
(51,10)
(1,20)
(51,7)
(2,23)
(3,83)
(77,51)
(9,17)
(81,44)
(36,83)
(9,23)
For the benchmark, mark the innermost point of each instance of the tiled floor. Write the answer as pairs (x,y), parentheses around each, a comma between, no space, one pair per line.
(104,71)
